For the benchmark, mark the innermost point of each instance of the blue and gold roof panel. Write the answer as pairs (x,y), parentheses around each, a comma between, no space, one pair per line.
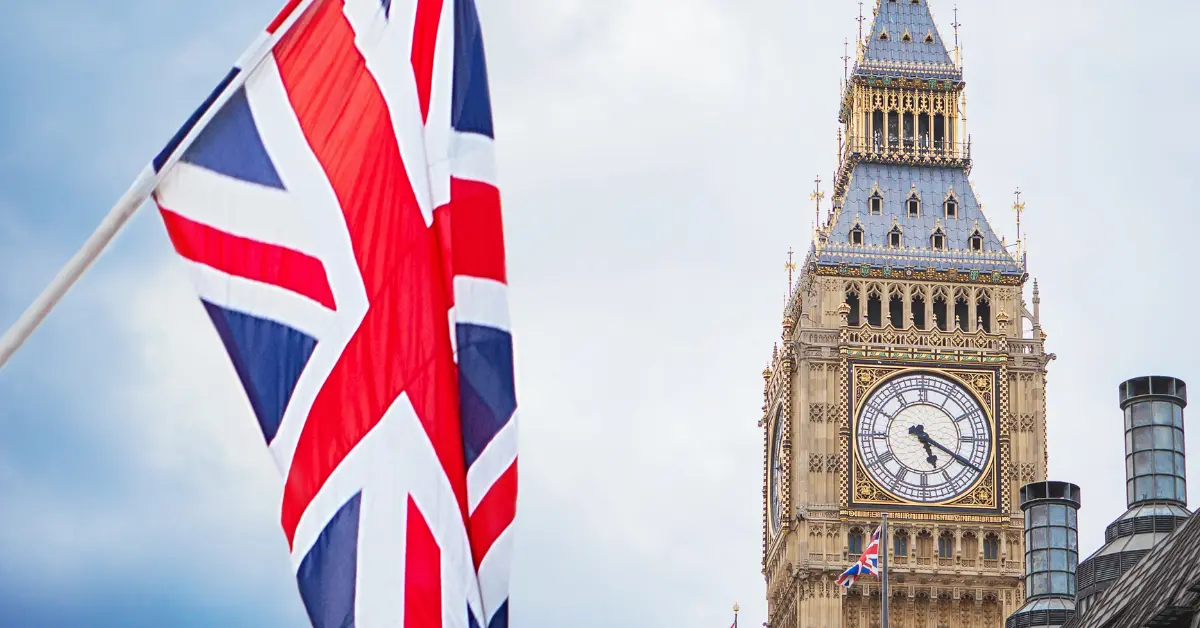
(904,41)
(932,187)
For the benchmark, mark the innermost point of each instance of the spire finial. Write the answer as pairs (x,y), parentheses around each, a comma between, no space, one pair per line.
(845,60)
(956,25)
(1018,207)
(816,196)
(790,266)
(957,58)
(860,22)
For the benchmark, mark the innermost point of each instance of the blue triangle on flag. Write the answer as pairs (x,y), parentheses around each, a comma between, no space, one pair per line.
(231,145)
(328,574)
(268,357)
(472,103)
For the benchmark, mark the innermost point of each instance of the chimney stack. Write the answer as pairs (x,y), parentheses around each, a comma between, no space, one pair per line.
(1051,554)
(1155,482)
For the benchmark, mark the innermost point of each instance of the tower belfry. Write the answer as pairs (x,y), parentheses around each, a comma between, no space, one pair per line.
(904,383)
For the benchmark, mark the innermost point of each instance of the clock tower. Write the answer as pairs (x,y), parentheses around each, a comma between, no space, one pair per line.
(910,376)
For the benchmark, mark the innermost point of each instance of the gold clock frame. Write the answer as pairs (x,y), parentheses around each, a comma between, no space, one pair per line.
(986,496)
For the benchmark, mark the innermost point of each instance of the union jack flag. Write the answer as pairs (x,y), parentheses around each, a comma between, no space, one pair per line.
(867,563)
(340,216)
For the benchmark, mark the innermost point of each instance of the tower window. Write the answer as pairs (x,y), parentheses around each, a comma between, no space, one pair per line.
(946,545)
(906,37)
(924,544)
(883,36)
(856,235)
(961,313)
(976,241)
(929,37)
(896,311)
(918,310)
(874,310)
(951,209)
(983,311)
(914,207)
(939,240)
(939,311)
(991,547)
(900,543)
(894,238)
(876,204)
(852,303)
(854,542)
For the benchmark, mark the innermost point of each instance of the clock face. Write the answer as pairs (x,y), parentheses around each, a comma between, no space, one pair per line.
(775,474)
(923,438)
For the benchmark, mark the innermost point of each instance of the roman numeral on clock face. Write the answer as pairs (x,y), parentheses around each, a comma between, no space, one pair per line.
(885,457)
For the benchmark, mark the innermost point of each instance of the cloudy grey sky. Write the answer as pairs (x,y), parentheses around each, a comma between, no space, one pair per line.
(656,158)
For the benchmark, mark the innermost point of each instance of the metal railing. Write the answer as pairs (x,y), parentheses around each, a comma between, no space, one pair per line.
(922,146)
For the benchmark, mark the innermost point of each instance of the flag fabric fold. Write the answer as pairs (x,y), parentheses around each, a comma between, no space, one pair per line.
(868,563)
(340,217)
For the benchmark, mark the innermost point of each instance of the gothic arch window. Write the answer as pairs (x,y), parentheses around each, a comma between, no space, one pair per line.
(896,307)
(854,542)
(951,207)
(991,547)
(945,545)
(875,203)
(976,241)
(970,547)
(938,240)
(917,307)
(961,311)
(939,310)
(900,544)
(895,237)
(856,235)
(914,205)
(983,309)
(924,545)
(853,303)
(874,306)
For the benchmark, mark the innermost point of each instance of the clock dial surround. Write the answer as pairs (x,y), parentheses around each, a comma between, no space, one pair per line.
(923,438)
(775,474)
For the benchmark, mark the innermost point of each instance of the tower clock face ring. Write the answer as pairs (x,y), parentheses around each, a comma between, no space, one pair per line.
(775,473)
(923,438)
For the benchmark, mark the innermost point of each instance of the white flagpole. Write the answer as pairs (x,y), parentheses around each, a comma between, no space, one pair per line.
(141,189)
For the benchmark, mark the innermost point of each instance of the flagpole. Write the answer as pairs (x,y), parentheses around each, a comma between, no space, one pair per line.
(883,575)
(143,186)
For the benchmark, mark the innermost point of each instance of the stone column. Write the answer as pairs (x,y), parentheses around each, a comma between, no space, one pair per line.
(971,314)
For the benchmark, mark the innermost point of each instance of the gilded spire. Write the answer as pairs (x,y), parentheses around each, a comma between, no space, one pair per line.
(1018,207)
(790,267)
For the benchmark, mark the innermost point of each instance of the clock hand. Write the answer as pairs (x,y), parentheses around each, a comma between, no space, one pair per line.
(954,455)
(919,432)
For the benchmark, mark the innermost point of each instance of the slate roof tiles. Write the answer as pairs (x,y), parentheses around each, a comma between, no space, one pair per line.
(896,57)
(933,186)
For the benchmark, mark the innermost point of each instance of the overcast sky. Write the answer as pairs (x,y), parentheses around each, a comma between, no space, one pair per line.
(656,158)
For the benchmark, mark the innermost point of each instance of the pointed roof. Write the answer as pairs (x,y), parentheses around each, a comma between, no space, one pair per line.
(932,186)
(904,41)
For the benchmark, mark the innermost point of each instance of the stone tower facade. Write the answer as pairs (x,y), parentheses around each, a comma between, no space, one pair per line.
(910,377)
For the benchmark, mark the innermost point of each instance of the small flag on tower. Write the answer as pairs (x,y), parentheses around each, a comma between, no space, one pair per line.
(867,563)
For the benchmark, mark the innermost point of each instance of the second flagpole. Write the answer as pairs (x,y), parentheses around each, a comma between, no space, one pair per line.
(883,571)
